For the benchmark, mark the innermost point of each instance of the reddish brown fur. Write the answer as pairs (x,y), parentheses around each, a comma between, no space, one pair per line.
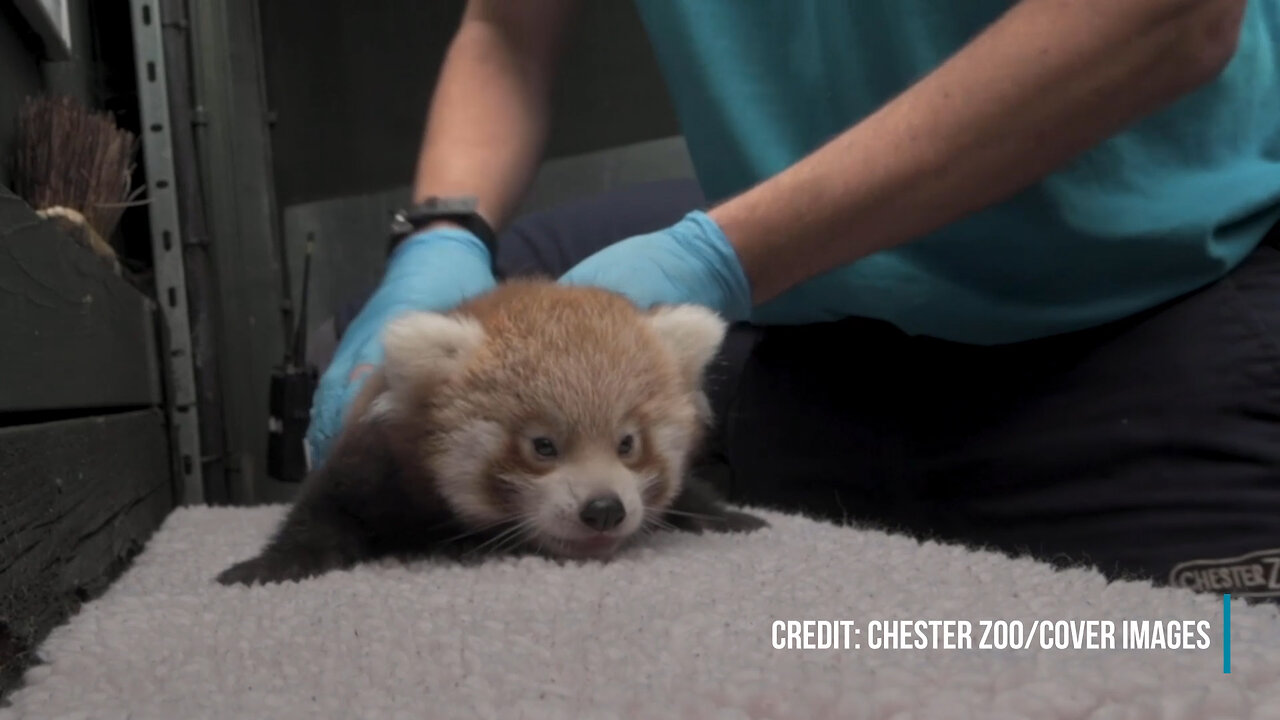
(608,362)
(583,350)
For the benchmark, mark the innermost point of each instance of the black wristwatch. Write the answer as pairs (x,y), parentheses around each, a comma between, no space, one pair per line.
(458,210)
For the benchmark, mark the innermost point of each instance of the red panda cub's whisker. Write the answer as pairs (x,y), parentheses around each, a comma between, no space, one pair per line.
(653,521)
(687,514)
(513,535)
(537,416)
(473,532)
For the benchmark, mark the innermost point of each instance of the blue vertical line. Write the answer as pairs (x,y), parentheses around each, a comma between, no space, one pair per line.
(1226,633)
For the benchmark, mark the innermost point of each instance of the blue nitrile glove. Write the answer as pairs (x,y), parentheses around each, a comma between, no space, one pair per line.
(689,262)
(432,270)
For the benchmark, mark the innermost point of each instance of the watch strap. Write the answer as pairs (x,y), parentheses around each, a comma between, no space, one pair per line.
(460,211)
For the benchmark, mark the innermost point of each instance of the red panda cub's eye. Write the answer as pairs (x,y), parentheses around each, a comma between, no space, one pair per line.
(626,445)
(544,447)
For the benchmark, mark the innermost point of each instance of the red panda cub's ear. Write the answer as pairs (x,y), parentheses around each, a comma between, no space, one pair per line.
(425,349)
(692,334)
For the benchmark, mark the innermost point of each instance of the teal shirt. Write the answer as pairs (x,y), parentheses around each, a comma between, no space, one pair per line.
(1169,205)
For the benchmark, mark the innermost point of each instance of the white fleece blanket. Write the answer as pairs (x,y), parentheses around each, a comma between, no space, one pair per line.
(679,627)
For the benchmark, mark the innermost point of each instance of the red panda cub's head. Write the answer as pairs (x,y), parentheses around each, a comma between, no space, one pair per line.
(563,410)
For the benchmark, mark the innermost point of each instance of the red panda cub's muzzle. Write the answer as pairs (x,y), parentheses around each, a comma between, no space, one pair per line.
(536,417)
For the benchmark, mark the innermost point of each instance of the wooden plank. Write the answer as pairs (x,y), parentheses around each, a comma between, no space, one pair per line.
(76,335)
(80,499)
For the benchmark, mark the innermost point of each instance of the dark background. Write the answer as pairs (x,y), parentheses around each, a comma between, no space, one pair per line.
(350,89)
(19,76)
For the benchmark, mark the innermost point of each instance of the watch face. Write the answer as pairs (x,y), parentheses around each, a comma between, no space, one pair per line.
(400,225)
(460,210)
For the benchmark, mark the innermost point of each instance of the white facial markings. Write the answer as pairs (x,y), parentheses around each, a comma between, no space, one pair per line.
(562,493)
(465,457)
(673,442)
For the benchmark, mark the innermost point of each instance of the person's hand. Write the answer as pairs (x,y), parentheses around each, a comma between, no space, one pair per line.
(433,270)
(689,262)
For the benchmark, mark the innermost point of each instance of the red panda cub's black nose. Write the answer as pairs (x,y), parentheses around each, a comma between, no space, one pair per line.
(603,512)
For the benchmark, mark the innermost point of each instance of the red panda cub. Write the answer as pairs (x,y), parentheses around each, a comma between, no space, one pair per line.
(537,417)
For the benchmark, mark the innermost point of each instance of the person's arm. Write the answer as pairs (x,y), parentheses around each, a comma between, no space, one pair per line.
(490,111)
(484,137)
(1047,81)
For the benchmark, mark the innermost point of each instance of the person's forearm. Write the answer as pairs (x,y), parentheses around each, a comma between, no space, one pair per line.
(489,114)
(1046,82)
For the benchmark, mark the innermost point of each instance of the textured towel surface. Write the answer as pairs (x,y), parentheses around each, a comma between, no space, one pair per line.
(678,627)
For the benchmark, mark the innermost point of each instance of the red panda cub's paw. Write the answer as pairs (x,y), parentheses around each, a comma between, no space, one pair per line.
(274,568)
(698,508)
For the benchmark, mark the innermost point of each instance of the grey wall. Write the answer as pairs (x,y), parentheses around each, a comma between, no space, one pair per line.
(350,89)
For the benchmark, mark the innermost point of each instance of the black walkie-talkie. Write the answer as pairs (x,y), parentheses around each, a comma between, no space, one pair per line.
(293,385)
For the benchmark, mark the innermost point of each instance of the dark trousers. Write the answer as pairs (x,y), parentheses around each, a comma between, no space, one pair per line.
(1148,448)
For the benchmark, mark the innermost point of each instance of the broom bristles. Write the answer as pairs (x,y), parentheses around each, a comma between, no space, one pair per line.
(66,155)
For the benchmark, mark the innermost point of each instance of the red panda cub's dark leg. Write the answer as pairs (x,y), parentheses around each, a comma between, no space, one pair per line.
(316,537)
(699,508)
(354,508)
